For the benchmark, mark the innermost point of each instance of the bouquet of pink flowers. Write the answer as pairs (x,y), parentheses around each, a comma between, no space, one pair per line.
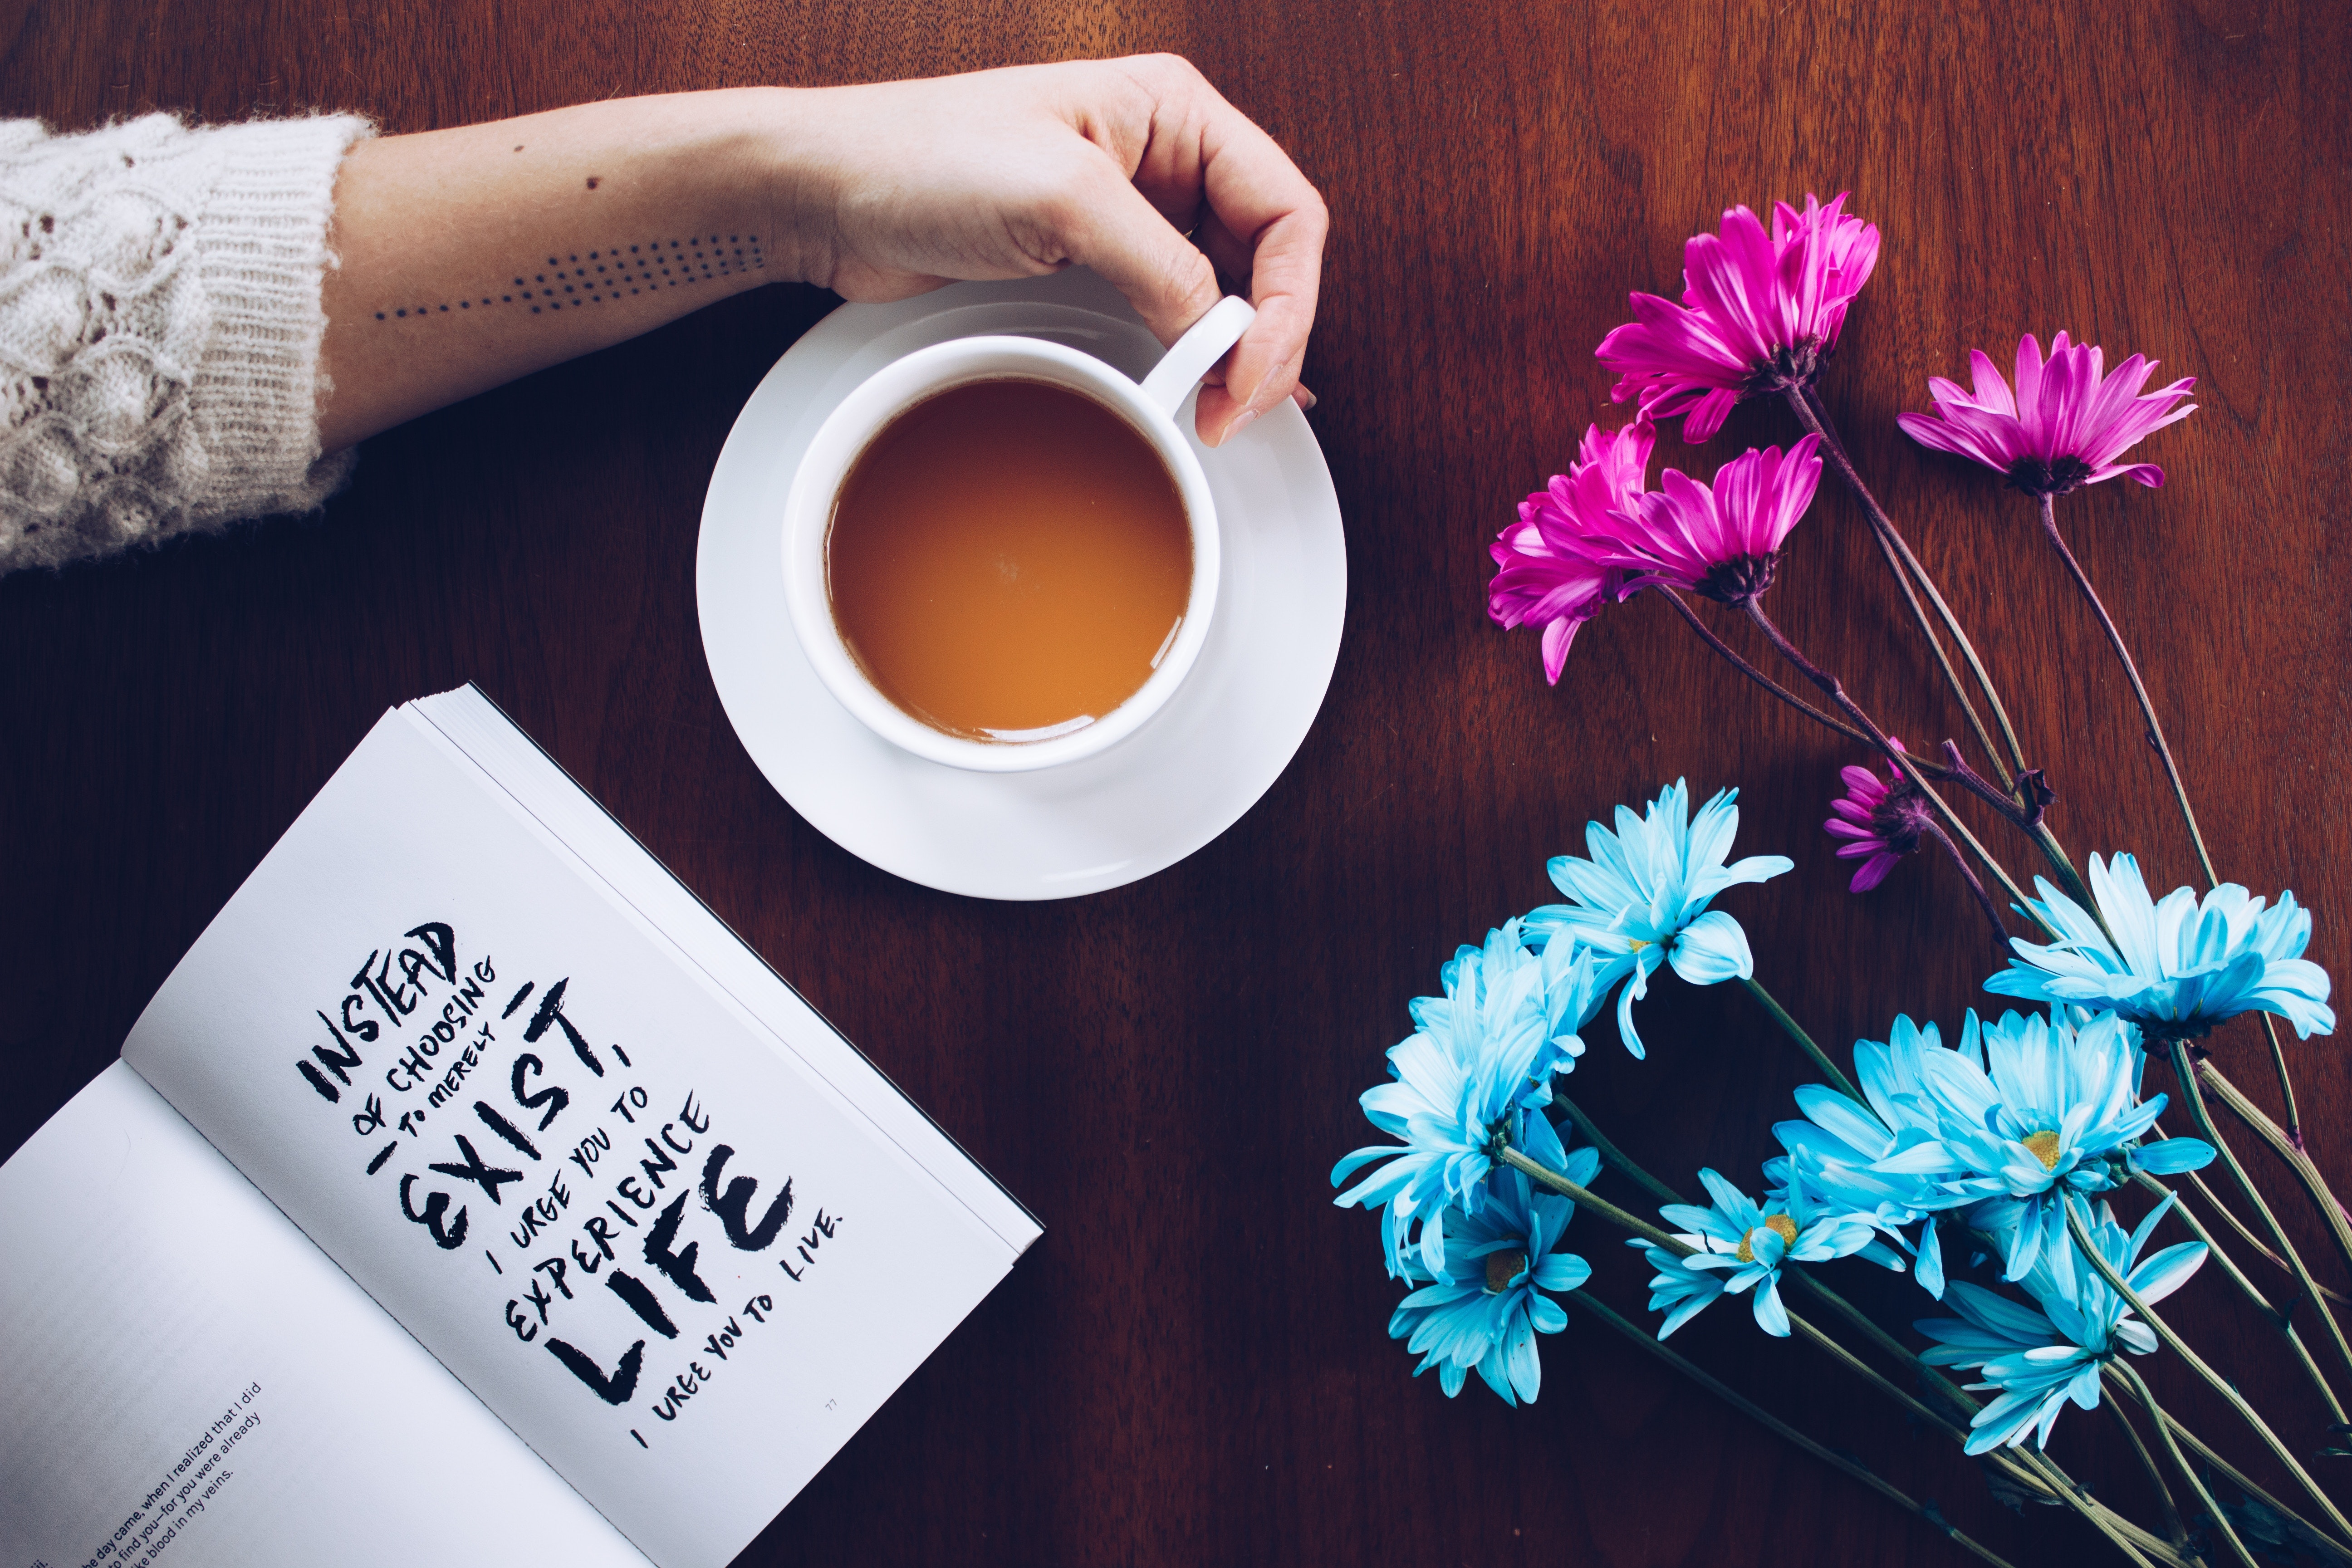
(2023,1150)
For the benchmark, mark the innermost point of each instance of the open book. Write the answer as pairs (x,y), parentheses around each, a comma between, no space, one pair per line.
(469,1194)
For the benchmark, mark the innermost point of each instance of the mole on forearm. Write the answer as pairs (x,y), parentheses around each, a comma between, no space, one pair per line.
(575,280)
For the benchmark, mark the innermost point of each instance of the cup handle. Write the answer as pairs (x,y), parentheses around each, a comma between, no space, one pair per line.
(1203,345)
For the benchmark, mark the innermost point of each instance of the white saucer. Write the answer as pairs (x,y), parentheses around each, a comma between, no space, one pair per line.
(1108,820)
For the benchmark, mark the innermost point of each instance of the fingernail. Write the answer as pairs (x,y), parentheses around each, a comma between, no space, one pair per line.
(1238,425)
(1308,400)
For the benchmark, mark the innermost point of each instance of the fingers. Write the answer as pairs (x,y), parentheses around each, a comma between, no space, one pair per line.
(1258,218)
(1263,219)
(1259,195)
(1109,226)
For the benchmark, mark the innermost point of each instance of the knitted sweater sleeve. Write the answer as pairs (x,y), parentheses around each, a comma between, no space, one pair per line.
(159,329)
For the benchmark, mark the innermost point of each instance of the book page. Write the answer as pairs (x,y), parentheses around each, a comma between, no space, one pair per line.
(546,795)
(674,1261)
(192,1383)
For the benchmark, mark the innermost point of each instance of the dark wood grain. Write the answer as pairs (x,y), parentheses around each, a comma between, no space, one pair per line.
(1191,1367)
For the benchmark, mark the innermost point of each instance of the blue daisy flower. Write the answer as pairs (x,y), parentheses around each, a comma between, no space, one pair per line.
(1840,1145)
(1742,1247)
(1484,1306)
(2038,1360)
(2178,967)
(1479,1056)
(1642,899)
(2030,1108)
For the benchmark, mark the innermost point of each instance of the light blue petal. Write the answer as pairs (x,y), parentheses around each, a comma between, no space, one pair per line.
(2167,1271)
(1712,949)
(1928,1271)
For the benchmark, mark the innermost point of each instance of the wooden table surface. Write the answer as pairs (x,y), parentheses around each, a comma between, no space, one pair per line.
(1193,1366)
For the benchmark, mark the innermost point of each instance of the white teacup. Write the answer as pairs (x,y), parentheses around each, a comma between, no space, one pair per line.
(1152,408)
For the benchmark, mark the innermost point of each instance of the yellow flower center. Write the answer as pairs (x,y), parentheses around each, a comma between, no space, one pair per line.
(1636,944)
(2043,1146)
(1780,1225)
(1502,1267)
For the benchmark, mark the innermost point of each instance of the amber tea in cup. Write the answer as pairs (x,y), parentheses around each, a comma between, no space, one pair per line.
(1009,560)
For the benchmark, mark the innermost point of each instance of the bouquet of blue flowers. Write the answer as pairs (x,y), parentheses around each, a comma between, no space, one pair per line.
(2005,1151)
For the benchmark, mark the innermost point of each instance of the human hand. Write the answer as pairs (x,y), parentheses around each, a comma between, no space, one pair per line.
(897,188)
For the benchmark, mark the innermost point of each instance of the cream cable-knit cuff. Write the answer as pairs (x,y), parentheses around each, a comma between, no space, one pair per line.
(160,325)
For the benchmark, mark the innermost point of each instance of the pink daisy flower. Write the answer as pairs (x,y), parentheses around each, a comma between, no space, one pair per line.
(1716,540)
(1547,576)
(2065,427)
(1759,313)
(1885,819)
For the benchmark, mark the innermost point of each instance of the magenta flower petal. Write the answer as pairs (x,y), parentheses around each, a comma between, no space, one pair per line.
(1717,540)
(1880,817)
(2067,422)
(1547,574)
(1759,310)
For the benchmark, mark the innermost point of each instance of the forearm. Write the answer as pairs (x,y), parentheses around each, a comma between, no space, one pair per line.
(473,256)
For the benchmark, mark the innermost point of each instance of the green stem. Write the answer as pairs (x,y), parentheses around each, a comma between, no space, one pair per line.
(2261,1249)
(2066,1491)
(1772,1424)
(1814,417)
(2164,1430)
(2298,1159)
(2172,1523)
(2191,1076)
(2277,1319)
(2049,514)
(2055,853)
(1984,900)
(1796,1032)
(1801,1277)
(2113,1525)
(2235,1476)
(1611,1154)
(2123,656)
(1635,1225)
(2196,1363)
(2286,1084)
(1707,635)
(1835,691)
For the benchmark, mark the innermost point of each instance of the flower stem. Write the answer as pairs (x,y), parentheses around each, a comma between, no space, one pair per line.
(1796,1032)
(1907,567)
(1802,1278)
(2035,1471)
(1611,1154)
(1635,1225)
(2220,1385)
(2164,1431)
(1623,1219)
(2123,655)
(2288,1147)
(2172,1524)
(2192,1077)
(1836,692)
(1797,1274)
(2066,1491)
(1772,1424)
(1829,721)
(2280,1320)
(1707,634)
(2286,1084)
(1876,1379)
(2048,511)
(1984,900)
(1814,417)
(2261,1249)
(2228,1472)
